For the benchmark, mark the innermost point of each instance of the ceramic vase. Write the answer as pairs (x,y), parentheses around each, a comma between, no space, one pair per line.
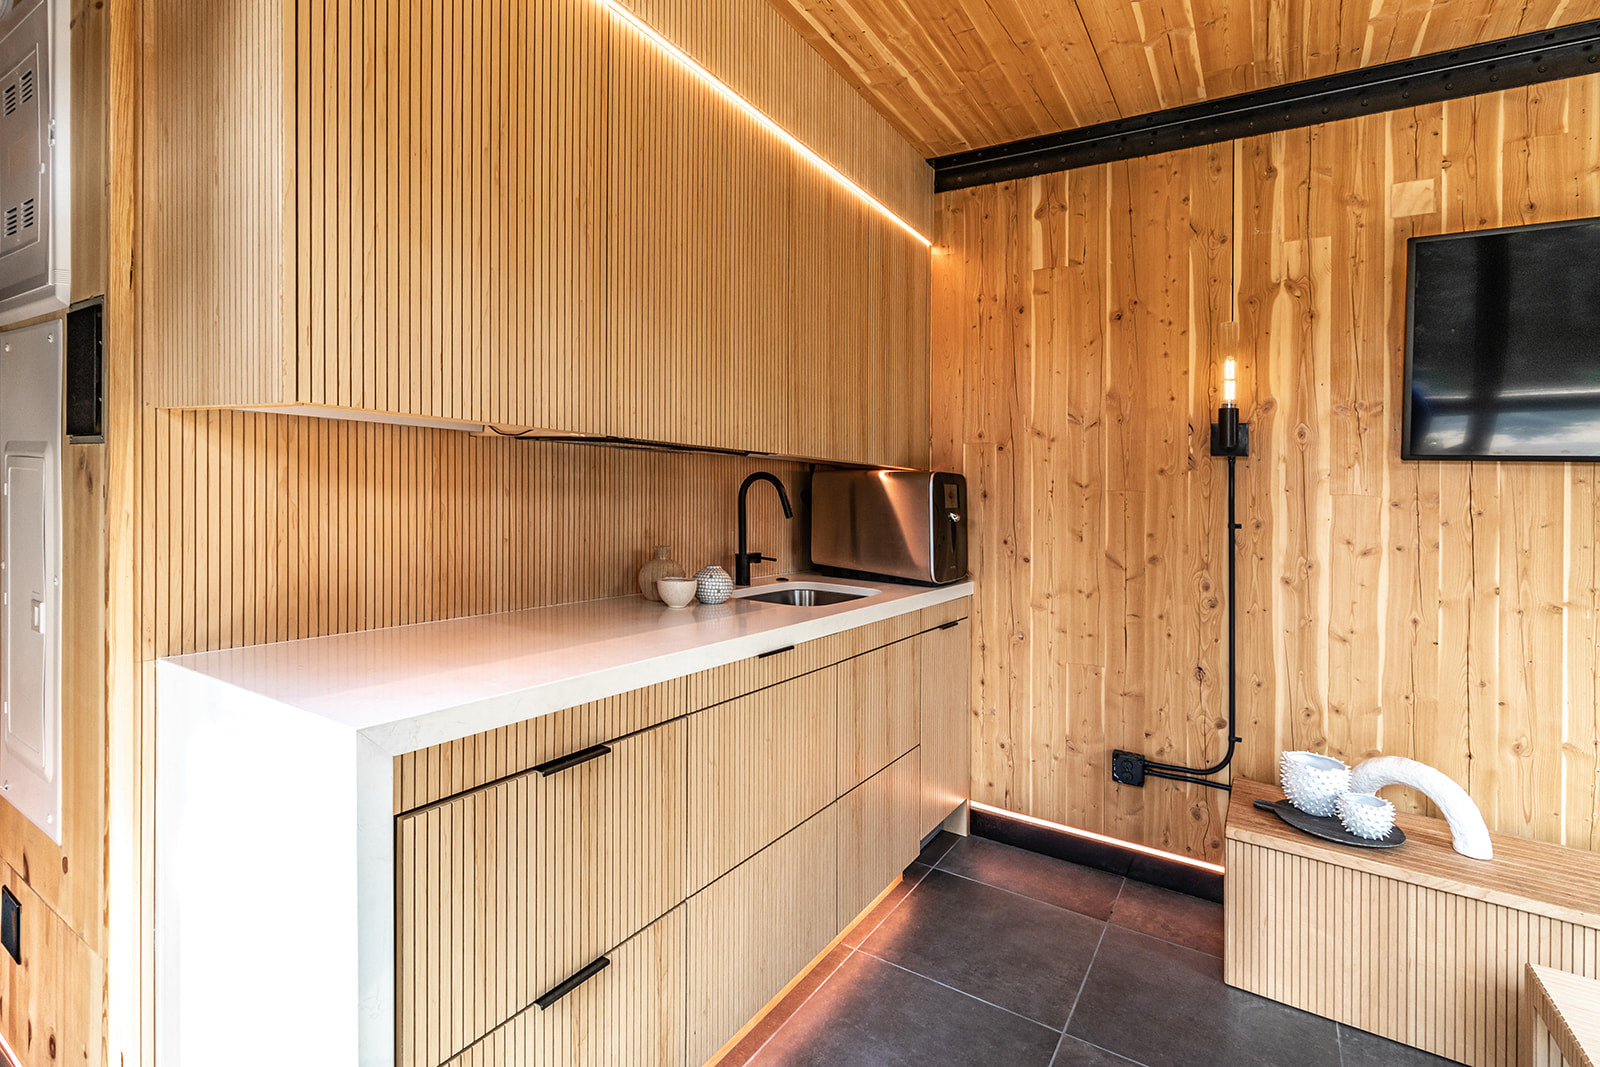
(661,565)
(1365,815)
(715,585)
(1312,782)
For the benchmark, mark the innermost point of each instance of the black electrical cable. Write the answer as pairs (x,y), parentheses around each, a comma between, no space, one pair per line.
(1224,786)
(1189,774)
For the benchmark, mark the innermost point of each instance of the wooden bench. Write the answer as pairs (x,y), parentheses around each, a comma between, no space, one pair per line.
(1418,943)
(1564,1023)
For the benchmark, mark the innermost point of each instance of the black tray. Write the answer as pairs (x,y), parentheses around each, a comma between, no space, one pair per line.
(1327,828)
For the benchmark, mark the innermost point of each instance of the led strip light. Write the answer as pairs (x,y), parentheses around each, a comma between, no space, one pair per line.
(688,63)
(1101,838)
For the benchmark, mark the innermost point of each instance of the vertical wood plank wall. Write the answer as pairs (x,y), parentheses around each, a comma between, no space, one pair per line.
(1443,611)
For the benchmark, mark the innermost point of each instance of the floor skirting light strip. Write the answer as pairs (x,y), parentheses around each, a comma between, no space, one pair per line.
(1169,870)
(722,89)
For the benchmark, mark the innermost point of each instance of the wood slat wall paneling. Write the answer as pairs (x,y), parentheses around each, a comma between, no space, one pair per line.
(1443,611)
(877,711)
(956,76)
(509,890)
(879,833)
(945,735)
(759,766)
(632,1013)
(757,926)
(272,528)
(432,774)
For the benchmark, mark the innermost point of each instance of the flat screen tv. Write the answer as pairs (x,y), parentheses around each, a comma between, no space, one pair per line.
(1503,344)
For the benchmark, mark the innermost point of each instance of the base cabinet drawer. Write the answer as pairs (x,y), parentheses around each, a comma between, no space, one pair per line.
(505,892)
(879,833)
(877,711)
(752,930)
(946,731)
(761,765)
(628,1014)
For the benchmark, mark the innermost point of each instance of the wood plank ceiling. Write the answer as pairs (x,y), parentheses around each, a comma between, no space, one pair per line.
(953,75)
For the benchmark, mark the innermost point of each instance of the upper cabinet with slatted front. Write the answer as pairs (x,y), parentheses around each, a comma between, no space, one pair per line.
(529,215)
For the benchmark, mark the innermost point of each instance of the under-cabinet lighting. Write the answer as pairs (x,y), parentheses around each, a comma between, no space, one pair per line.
(721,88)
(1101,838)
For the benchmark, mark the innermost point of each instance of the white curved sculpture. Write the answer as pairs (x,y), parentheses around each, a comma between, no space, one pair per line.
(1470,835)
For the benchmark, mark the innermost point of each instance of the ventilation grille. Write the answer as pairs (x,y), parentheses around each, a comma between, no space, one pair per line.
(19,92)
(21,217)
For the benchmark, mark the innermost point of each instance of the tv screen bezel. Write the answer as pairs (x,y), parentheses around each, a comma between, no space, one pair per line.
(1412,243)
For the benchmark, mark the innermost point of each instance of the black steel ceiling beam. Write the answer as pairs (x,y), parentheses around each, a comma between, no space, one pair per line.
(1549,55)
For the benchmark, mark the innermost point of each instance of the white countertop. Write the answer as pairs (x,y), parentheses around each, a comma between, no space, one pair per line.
(408,687)
(285,752)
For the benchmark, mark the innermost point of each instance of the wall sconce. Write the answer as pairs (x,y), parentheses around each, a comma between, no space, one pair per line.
(1230,438)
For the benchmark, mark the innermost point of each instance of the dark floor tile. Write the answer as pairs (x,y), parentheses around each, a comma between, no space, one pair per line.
(1075,1053)
(1177,917)
(762,1032)
(1013,951)
(1361,1049)
(942,842)
(1162,1004)
(874,1014)
(1066,885)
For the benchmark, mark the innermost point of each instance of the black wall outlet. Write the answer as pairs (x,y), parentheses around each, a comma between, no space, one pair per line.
(11,924)
(1127,768)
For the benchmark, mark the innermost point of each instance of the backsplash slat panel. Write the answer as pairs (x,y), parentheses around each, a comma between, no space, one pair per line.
(275,527)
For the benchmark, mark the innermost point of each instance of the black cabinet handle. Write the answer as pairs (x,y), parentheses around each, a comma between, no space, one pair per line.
(562,763)
(573,983)
(949,625)
(776,652)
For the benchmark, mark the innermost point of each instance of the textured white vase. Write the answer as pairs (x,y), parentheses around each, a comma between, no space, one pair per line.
(659,567)
(1312,781)
(1365,815)
(1470,835)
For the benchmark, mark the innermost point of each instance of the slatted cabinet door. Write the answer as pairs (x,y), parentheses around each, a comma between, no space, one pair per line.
(631,1014)
(943,708)
(760,765)
(755,928)
(878,833)
(507,891)
(878,695)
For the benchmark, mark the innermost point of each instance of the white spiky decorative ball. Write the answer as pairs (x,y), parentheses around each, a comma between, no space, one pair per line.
(1365,815)
(1312,781)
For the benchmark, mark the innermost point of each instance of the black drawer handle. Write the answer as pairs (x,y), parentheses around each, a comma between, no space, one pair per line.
(573,983)
(949,625)
(776,652)
(567,762)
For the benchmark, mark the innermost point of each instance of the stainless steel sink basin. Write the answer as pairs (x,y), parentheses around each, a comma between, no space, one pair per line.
(804,598)
(804,594)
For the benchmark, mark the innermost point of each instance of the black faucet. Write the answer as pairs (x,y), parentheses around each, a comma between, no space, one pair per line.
(743,558)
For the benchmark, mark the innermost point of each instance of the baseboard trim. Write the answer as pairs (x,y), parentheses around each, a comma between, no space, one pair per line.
(1060,844)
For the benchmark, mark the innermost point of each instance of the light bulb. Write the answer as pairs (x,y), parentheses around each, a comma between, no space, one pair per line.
(1230,388)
